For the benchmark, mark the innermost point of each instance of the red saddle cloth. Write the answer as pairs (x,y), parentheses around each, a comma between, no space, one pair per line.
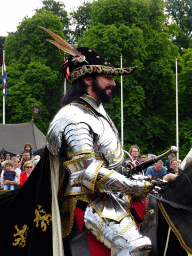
(96,247)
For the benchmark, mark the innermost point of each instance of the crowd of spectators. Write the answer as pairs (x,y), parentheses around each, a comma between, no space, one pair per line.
(15,170)
(167,171)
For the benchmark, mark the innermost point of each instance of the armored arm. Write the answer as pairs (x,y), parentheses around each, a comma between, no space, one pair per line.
(111,181)
(90,173)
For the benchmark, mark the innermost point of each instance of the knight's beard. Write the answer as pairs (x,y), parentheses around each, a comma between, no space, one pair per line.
(102,93)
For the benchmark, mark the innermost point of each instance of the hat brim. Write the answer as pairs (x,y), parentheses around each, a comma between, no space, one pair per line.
(99,69)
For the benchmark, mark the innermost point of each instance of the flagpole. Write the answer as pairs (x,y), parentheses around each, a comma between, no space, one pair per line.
(122,137)
(65,78)
(3,82)
(177,119)
(3,109)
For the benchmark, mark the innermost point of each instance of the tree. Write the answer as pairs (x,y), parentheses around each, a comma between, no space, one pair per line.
(80,21)
(185,104)
(32,70)
(35,87)
(2,40)
(57,8)
(180,12)
(136,30)
(29,42)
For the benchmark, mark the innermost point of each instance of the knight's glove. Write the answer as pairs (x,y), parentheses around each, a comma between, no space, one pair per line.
(141,177)
(110,181)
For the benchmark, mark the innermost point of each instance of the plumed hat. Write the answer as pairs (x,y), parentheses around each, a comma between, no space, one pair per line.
(84,61)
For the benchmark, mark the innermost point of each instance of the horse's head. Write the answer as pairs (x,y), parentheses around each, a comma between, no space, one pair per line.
(179,190)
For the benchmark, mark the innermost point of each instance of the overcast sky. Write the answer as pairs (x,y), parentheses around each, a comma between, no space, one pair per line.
(13,11)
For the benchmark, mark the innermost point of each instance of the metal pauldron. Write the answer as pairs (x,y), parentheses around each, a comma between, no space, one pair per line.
(68,123)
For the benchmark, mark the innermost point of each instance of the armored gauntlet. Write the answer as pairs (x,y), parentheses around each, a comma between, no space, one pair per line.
(112,181)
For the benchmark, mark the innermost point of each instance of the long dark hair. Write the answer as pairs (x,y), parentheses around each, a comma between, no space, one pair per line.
(78,89)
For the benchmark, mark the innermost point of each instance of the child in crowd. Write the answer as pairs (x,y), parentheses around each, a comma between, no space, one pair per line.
(28,147)
(7,157)
(9,175)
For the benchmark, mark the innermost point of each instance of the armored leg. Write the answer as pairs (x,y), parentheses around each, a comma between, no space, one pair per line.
(123,238)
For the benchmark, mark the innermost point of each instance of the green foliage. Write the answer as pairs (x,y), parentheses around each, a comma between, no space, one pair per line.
(142,13)
(185,104)
(29,42)
(58,9)
(180,11)
(112,42)
(80,21)
(185,86)
(32,70)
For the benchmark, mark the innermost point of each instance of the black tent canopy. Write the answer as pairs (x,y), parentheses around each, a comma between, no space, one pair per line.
(14,136)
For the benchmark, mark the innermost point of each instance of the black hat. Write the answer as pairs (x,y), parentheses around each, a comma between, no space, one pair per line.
(84,61)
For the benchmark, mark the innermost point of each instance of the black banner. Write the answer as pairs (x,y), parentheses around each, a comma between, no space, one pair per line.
(25,215)
(36,110)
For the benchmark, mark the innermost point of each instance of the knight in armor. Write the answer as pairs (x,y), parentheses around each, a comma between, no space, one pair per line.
(87,157)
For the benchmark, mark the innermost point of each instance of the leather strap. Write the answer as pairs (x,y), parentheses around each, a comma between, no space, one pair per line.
(175,205)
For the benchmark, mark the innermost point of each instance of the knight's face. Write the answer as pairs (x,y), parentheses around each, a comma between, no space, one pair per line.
(102,86)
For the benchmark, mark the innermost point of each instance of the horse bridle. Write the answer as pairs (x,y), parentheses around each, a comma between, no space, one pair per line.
(175,205)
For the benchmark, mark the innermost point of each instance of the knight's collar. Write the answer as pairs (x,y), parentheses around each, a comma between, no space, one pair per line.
(92,101)
(97,106)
